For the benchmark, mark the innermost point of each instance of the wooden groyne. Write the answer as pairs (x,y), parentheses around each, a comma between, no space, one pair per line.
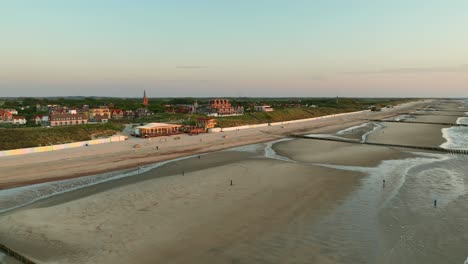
(436,149)
(433,114)
(442,110)
(11,253)
(413,122)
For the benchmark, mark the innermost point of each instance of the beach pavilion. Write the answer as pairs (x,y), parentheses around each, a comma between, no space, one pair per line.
(157,129)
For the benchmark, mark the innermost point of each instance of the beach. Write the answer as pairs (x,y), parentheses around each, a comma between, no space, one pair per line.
(91,160)
(253,197)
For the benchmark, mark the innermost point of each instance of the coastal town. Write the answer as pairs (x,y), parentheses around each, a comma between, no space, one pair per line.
(152,117)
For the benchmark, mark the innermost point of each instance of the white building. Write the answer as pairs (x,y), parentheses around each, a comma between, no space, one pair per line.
(263,108)
(41,120)
(19,120)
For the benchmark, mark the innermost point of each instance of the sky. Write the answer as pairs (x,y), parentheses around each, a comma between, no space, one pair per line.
(312,48)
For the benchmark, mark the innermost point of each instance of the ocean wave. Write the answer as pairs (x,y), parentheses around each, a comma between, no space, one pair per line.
(462,120)
(456,138)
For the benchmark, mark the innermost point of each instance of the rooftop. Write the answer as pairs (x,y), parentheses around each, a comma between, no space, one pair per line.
(155,125)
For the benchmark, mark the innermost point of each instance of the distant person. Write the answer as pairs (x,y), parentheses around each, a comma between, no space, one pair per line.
(435,203)
(157,147)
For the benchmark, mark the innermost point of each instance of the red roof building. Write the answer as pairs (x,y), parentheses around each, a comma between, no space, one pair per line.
(117,113)
(6,116)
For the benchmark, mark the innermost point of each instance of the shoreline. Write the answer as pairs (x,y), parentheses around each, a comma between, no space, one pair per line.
(52,166)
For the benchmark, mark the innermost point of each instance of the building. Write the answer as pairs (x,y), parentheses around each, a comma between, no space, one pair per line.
(67,119)
(19,120)
(117,114)
(99,114)
(263,108)
(142,112)
(206,123)
(41,120)
(41,108)
(6,116)
(180,108)
(157,129)
(223,107)
(12,111)
(129,114)
(102,118)
(145,99)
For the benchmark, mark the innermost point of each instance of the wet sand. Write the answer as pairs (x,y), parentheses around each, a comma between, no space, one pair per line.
(409,134)
(195,218)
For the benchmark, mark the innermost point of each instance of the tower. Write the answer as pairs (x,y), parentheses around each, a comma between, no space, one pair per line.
(145,99)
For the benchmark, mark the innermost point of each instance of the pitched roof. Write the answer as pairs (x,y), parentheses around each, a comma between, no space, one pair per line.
(5,112)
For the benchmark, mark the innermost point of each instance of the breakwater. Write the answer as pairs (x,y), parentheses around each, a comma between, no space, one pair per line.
(13,254)
(413,122)
(436,149)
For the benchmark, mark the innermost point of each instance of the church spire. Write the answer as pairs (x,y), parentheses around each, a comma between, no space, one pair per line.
(145,99)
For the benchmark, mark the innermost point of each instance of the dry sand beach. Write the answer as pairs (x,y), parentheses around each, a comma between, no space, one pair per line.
(291,201)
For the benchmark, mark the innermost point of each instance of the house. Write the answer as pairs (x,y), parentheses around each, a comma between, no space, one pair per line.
(19,120)
(223,107)
(180,108)
(157,129)
(206,123)
(117,114)
(142,112)
(102,118)
(263,108)
(6,116)
(12,111)
(129,114)
(67,119)
(41,108)
(41,120)
(98,114)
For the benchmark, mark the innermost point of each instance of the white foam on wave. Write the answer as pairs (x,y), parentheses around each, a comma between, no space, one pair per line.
(462,120)
(456,138)
(350,129)
(377,126)
(393,171)
(271,153)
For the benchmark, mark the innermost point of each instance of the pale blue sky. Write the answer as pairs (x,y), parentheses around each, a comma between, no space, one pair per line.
(234,48)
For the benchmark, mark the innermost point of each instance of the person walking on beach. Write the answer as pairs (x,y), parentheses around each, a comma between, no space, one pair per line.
(435,203)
